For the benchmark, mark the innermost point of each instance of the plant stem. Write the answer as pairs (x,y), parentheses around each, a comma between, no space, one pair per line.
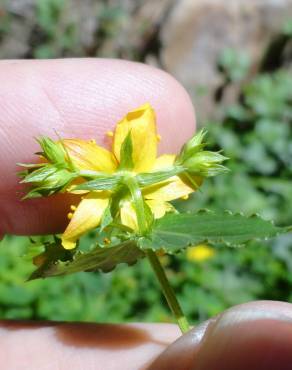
(168,291)
(154,261)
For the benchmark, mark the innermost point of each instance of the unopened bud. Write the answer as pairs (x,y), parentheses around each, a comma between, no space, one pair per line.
(52,151)
(194,145)
(48,180)
(205,163)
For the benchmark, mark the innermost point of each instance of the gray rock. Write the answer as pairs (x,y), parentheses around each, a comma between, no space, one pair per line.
(197,31)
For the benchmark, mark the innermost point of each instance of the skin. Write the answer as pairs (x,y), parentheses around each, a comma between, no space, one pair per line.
(85,98)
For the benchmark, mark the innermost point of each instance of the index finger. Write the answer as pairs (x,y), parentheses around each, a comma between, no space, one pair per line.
(77,98)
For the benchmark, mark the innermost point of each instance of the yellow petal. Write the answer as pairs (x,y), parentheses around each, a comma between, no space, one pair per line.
(159,208)
(200,253)
(86,217)
(164,161)
(128,215)
(86,155)
(168,190)
(175,187)
(78,181)
(141,123)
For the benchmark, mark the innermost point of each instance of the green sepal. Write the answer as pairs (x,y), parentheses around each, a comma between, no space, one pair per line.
(126,154)
(151,178)
(177,231)
(30,166)
(40,174)
(107,218)
(101,182)
(143,212)
(103,259)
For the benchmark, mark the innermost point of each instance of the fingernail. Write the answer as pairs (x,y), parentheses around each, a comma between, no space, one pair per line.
(249,313)
(252,336)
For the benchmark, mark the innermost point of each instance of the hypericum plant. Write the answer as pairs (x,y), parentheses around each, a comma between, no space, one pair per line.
(125,196)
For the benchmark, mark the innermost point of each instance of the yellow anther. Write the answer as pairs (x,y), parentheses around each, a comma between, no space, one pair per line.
(158,137)
(73,208)
(110,134)
(106,241)
(92,141)
(185,197)
(70,215)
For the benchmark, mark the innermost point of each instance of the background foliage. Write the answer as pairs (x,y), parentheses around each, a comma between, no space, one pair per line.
(256,133)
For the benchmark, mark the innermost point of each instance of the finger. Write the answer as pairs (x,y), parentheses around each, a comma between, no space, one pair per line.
(60,346)
(251,336)
(75,98)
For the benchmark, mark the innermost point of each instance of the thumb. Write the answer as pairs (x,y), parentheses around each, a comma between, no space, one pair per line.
(256,335)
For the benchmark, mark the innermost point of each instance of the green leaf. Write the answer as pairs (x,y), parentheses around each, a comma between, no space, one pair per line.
(176,231)
(53,252)
(126,162)
(104,259)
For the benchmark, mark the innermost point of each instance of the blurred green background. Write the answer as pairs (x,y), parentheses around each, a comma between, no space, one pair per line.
(245,101)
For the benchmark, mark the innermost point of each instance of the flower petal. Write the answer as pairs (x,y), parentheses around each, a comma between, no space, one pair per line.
(159,208)
(200,253)
(141,123)
(86,217)
(128,215)
(173,188)
(164,161)
(87,155)
(168,190)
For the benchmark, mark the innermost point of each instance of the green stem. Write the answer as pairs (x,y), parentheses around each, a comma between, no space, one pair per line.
(153,259)
(138,203)
(168,291)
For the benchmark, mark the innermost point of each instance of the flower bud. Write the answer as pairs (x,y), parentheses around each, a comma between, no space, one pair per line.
(205,163)
(194,145)
(48,180)
(52,151)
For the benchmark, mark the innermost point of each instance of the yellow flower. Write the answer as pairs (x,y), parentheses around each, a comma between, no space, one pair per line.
(87,155)
(200,252)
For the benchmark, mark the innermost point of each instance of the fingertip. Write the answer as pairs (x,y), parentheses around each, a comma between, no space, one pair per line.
(81,98)
(256,335)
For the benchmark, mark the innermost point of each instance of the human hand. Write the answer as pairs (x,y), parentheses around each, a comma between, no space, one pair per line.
(253,336)
(84,98)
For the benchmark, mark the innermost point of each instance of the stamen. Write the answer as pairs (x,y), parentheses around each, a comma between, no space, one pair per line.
(158,137)
(185,197)
(110,134)
(106,241)
(92,141)
(73,208)
(70,215)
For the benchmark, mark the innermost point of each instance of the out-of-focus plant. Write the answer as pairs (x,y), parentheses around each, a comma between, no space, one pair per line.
(4,22)
(233,64)
(55,35)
